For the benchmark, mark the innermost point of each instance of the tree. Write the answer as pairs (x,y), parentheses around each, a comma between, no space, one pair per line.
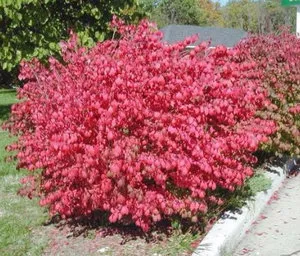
(33,28)
(241,14)
(212,11)
(275,16)
(187,12)
(258,16)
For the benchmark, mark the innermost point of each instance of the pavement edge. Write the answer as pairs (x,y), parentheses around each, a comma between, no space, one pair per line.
(225,235)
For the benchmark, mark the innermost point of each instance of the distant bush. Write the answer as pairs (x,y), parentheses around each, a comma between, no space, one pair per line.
(136,127)
(278,58)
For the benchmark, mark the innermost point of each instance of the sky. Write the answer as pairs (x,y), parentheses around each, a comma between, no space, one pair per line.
(222,2)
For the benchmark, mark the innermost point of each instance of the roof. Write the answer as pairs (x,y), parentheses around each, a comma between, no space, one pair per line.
(218,36)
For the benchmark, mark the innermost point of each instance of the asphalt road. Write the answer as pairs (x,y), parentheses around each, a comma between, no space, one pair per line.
(277,231)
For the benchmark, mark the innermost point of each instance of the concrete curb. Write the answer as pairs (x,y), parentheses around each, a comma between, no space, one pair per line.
(225,235)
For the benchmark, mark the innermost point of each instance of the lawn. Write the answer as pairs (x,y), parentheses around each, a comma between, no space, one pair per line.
(19,216)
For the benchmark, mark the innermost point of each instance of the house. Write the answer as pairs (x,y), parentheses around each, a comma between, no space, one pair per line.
(217,36)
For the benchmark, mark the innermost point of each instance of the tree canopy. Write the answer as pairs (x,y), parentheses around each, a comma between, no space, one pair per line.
(33,28)
(258,16)
(189,12)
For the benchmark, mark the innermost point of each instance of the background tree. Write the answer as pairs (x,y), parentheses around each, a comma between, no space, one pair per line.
(275,16)
(213,12)
(258,16)
(188,12)
(241,14)
(33,28)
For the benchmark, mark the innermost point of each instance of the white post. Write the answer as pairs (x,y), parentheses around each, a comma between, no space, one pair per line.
(298,22)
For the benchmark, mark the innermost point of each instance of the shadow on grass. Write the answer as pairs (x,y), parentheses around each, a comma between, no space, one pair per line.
(9,91)
(98,221)
(4,112)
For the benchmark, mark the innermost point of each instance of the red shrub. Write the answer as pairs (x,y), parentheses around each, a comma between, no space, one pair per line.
(136,127)
(278,57)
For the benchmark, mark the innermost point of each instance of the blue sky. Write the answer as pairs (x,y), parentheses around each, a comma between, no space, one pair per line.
(222,2)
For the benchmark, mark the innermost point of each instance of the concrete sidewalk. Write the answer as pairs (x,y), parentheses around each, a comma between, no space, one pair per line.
(227,232)
(277,231)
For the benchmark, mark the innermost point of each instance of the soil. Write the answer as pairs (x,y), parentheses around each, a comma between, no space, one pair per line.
(69,239)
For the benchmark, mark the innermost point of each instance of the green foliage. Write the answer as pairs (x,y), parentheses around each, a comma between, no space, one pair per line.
(240,14)
(188,12)
(258,16)
(32,28)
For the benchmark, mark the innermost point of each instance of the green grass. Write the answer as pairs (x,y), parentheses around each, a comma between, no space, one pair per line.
(177,244)
(19,216)
(255,184)
(259,182)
